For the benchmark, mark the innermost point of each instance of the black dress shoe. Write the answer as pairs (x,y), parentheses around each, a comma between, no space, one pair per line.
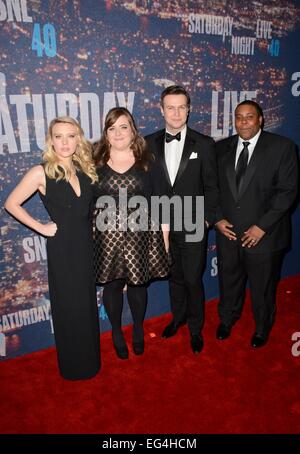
(171,329)
(223,332)
(258,341)
(197,343)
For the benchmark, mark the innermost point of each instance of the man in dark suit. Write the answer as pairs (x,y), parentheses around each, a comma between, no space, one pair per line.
(185,164)
(258,185)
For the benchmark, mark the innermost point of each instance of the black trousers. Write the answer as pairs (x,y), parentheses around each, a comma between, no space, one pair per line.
(186,286)
(236,265)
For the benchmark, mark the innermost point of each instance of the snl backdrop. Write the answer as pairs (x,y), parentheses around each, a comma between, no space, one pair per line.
(82,58)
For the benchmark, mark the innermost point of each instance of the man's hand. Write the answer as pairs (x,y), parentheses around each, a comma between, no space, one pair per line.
(225,228)
(252,236)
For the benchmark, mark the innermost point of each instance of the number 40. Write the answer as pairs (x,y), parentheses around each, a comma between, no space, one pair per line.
(49,44)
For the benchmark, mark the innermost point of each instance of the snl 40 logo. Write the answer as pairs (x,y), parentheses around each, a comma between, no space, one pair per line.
(44,40)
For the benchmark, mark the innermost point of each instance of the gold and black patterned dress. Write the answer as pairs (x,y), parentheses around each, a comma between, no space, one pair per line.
(121,250)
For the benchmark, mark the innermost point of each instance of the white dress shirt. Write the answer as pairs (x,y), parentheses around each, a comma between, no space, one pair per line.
(173,154)
(251,147)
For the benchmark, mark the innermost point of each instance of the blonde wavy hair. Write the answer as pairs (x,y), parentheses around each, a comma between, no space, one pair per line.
(82,158)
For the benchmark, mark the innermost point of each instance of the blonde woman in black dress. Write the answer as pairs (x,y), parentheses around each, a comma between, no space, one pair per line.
(64,182)
(125,256)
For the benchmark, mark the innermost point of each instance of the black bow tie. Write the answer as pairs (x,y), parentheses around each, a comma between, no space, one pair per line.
(169,137)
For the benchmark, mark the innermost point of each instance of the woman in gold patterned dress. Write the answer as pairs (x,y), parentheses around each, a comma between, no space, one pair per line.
(125,252)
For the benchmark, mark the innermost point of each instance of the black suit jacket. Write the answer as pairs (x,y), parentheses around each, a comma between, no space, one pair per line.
(197,173)
(268,192)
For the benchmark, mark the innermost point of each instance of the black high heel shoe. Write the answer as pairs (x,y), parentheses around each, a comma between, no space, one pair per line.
(138,343)
(120,345)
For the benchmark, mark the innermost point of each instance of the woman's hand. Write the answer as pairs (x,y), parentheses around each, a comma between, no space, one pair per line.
(48,229)
(166,230)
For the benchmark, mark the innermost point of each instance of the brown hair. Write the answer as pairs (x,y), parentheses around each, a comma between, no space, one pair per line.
(138,146)
(175,90)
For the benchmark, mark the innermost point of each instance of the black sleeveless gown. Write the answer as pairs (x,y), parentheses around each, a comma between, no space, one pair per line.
(71,279)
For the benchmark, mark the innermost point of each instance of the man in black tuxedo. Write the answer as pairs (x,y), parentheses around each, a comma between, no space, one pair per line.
(185,164)
(258,182)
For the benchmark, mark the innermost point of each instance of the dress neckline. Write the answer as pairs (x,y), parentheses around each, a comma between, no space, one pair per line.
(120,173)
(72,187)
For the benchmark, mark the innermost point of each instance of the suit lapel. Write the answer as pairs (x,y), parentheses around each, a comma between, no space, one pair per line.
(230,167)
(187,150)
(160,147)
(256,157)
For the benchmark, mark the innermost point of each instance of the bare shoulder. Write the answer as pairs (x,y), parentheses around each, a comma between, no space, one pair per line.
(37,173)
(37,170)
(35,177)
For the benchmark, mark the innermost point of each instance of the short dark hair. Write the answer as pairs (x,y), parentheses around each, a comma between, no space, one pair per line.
(249,102)
(175,90)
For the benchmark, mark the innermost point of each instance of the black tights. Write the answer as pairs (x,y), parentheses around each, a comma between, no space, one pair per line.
(113,303)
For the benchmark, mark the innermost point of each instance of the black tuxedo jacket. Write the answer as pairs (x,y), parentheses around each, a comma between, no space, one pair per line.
(197,173)
(268,192)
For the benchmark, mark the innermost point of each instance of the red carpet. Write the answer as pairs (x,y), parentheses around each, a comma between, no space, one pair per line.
(228,388)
